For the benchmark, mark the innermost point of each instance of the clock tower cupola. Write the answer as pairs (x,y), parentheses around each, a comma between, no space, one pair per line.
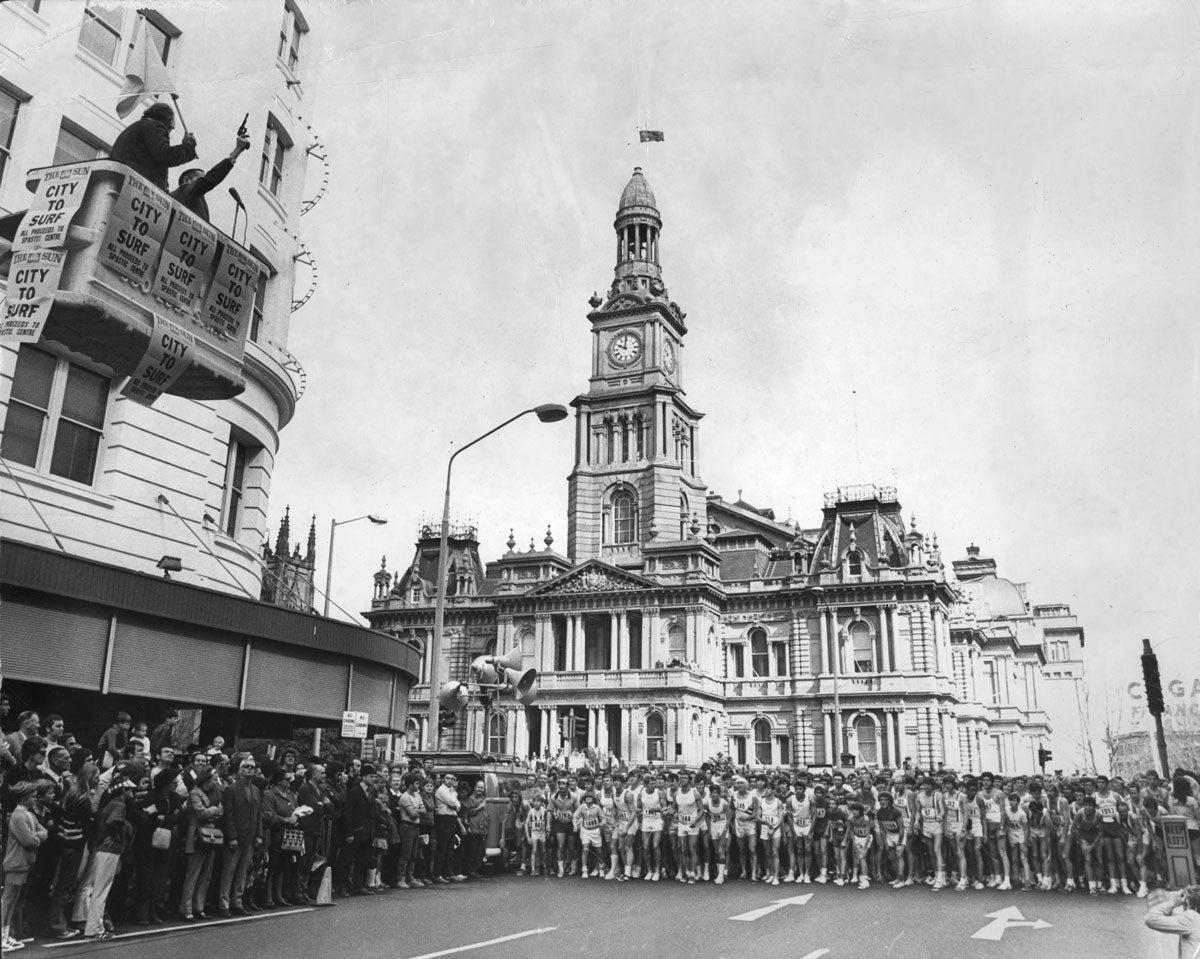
(635,476)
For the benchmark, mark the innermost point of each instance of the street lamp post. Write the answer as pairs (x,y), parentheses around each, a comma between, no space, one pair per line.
(835,668)
(547,413)
(333,525)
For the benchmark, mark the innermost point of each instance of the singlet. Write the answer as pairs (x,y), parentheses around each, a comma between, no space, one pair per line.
(1038,829)
(539,821)
(820,814)
(840,795)
(801,810)
(954,814)
(992,809)
(771,812)
(1015,823)
(1106,806)
(652,806)
(861,827)
(607,807)
(1087,827)
(626,806)
(891,820)
(904,805)
(1057,810)
(563,809)
(688,806)
(837,828)
(933,806)
(743,807)
(974,814)
(718,814)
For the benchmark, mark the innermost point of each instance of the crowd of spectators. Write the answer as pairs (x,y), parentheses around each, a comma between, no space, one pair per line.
(132,830)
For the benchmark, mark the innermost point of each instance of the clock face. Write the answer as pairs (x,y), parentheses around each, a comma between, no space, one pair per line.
(669,356)
(625,348)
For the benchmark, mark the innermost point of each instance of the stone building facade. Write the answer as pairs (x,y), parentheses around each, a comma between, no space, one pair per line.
(680,625)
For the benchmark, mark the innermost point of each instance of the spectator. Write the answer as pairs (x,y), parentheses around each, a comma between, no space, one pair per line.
(73,827)
(138,735)
(1185,924)
(476,820)
(408,822)
(161,812)
(195,184)
(279,813)
(446,824)
(55,730)
(164,733)
(145,145)
(204,812)
(33,754)
(27,725)
(242,824)
(25,836)
(112,744)
(113,833)
(358,835)
(217,746)
(427,837)
(312,795)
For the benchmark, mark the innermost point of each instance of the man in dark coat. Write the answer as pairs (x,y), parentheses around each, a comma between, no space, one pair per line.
(195,183)
(146,145)
(242,825)
(358,831)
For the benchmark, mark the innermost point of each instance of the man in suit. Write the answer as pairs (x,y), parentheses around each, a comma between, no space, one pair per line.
(242,825)
(194,186)
(146,145)
(358,830)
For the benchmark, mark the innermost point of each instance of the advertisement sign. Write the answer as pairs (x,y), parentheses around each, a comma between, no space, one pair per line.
(231,294)
(136,228)
(57,199)
(32,283)
(169,354)
(187,258)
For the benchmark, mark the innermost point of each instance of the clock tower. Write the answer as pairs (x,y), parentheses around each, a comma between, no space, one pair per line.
(635,477)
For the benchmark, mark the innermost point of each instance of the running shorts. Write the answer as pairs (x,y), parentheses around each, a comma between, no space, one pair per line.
(931,829)
(590,836)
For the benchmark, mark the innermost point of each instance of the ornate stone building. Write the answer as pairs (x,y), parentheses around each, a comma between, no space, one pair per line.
(680,625)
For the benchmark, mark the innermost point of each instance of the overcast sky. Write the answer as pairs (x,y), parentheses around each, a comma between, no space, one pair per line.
(949,246)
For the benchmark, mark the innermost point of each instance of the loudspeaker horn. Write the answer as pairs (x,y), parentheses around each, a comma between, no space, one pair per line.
(524,684)
(453,696)
(482,671)
(510,660)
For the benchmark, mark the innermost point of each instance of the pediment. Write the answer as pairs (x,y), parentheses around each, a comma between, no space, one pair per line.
(625,301)
(593,577)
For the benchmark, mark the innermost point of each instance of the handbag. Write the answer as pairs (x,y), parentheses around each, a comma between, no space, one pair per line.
(161,838)
(293,840)
(210,837)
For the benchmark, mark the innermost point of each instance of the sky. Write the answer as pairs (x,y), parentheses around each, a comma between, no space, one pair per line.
(946,246)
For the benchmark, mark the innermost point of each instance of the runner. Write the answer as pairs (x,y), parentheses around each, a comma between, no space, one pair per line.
(1112,842)
(537,828)
(745,816)
(890,824)
(687,826)
(1016,836)
(820,837)
(562,809)
(992,798)
(799,815)
(770,820)
(931,811)
(589,817)
(650,811)
(837,832)
(626,830)
(861,834)
(1085,830)
(1039,842)
(716,813)
(955,827)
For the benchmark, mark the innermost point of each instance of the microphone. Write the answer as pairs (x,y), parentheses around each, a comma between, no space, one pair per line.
(240,206)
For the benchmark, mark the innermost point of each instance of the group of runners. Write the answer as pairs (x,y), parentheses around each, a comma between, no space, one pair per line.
(943,830)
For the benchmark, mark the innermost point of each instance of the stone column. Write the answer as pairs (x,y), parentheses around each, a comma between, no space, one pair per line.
(543,640)
(614,641)
(601,728)
(580,645)
(510,733)
(830,745)
(885,636)
(623,640)
(824,665)
(553,736)
(624,737)
(650,641)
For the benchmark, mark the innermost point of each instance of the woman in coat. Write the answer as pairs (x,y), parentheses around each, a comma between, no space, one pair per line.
(162,809)
(25,837)
(204,809)
(279,813)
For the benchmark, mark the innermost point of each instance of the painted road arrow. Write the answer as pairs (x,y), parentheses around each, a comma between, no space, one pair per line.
(1005,919)
(767,910)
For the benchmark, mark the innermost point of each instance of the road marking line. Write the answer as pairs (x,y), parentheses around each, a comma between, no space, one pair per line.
(490,942)
(767,910)
(816,955)
(163,930)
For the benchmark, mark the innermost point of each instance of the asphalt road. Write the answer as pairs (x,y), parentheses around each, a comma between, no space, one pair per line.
(536,918)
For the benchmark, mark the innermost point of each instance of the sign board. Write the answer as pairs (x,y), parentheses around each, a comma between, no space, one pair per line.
(354,725)
(137,226)
(58,197)
(32,282)
(230,297)
(169,354)
(187,258)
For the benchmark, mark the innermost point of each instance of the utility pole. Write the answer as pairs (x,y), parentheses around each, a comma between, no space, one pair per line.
(1154,701)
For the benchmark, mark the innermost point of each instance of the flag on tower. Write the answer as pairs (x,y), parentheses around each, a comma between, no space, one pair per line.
(145,73)
(648,136)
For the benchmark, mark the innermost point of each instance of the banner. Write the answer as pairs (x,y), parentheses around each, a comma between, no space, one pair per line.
(169,354)
(136,227)
(187,257)
(231,295)
(58,197)
(32,282)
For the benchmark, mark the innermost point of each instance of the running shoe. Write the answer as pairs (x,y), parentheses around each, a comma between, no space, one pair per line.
(691,882)
(978,885)
(1142,891)
(1005,885)
(961,886)
(774,880)
(657,875)
(821,879)
(790,877)
(864,883)
(1069,886)
(839,881)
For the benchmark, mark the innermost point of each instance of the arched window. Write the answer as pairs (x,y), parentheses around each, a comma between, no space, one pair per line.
(489,648)
(624,511)
(676,643)
(760,660)
(452,580)
(762,742)
(854,563)
(868,744)
(412,734)
(863,648)
(498,734)
(683,516)
(655,745)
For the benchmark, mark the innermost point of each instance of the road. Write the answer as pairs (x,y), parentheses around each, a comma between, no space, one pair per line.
(536,918)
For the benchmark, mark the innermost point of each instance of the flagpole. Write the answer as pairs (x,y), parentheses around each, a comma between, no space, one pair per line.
(179,113)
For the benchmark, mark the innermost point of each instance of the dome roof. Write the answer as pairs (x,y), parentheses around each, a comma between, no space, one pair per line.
(994,598)
(637,192)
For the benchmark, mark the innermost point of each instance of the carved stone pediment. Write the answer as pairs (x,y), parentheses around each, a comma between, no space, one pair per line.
(593,577)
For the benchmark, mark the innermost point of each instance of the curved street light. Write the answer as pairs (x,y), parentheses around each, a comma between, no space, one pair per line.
(333,525)
(547,413)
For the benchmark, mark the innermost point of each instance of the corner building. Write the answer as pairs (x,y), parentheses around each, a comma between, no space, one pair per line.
(99,495)
(680,625)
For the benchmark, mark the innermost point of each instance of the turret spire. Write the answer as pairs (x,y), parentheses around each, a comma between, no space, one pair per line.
(285,533)
(311,554)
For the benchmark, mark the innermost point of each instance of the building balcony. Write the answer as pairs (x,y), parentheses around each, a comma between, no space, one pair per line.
(140,276)
(681,679)
(855,684)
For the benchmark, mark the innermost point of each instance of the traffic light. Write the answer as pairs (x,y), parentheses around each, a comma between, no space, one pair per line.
(1044,756)
(1151,679)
